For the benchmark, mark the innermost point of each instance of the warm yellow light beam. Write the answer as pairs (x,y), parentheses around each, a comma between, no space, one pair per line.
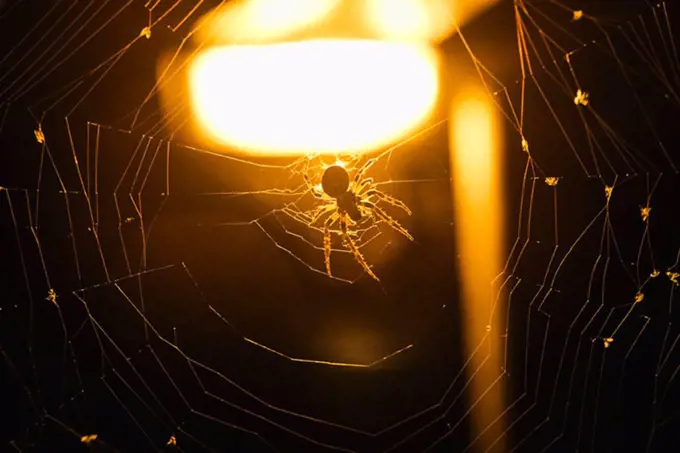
(321,96)
(478,206)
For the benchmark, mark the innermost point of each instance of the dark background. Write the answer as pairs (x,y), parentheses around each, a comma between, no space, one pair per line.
(93,365)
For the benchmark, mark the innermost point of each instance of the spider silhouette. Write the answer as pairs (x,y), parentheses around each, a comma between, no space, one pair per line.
(348,201)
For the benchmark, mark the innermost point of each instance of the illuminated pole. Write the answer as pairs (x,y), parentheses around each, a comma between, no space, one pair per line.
(475,157)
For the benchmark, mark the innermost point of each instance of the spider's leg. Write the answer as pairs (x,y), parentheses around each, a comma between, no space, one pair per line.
(327,242)
(362,171)
(388,199)
(349,242)
(321,211)
(382,215)
(366,183)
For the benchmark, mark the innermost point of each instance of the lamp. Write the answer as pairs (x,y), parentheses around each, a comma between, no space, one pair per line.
(290,77)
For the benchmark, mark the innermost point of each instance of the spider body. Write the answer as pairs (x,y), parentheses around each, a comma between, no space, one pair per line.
(348,201)
(335,184)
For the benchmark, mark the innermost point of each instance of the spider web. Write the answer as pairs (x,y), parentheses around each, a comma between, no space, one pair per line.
(160,294)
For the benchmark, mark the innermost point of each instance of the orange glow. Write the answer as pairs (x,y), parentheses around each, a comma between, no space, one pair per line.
(270,21)
(476,175)
(314,96)
(418,20)
(291,77)
(251,21)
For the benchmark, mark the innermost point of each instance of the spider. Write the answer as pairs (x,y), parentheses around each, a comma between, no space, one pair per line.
(349,202)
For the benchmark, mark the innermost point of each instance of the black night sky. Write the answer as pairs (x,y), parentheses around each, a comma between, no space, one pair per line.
(129,311)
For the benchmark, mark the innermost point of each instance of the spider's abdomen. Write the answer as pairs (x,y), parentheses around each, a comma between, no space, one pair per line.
(335,181)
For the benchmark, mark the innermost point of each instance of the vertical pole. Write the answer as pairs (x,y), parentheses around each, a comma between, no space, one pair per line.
(475,158)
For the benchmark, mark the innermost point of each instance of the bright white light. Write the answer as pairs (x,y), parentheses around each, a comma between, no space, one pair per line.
(313,96)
